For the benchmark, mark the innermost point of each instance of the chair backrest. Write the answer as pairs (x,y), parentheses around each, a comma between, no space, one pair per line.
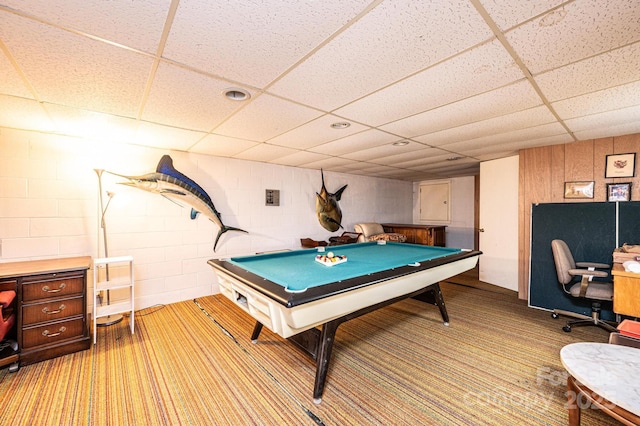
(563,259)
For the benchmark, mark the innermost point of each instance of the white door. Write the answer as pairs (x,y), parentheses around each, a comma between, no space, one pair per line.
(499,222)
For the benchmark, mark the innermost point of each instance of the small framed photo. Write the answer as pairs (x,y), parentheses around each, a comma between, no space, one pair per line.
(619,191)
(620,165)
(578,189)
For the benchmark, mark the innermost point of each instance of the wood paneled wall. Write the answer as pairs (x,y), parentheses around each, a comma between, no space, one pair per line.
(543,172)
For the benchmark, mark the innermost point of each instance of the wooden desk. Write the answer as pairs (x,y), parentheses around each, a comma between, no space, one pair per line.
(429,235)
(626,291)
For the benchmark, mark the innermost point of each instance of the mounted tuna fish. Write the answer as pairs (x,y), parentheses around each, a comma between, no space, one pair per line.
(327,208)
(175,186)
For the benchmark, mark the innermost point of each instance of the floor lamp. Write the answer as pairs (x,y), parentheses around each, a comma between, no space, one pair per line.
(111,319)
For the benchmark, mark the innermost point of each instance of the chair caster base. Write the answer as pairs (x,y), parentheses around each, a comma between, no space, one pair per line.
(566,329)
(555,316)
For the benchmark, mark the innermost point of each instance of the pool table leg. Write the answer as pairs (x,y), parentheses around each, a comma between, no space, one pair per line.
(327,337)
(433,296)
(256,332)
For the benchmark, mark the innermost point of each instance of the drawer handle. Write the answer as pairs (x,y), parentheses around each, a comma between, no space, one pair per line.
(60,331)
(57,311)
(57,290)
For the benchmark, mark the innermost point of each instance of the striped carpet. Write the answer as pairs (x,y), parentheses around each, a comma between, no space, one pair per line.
(192,363)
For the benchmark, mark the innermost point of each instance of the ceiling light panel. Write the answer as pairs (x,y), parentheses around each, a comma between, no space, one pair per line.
(184,98)
(394,39)
(590,27)
(136,24)
(253,41)
(515,97)
(315,133)
(266,117)
(481,69)
(68,69)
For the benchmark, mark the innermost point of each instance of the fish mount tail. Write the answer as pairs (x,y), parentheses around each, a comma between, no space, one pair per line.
(224,229)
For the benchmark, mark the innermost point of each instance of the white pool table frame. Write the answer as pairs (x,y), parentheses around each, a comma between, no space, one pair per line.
(332,311)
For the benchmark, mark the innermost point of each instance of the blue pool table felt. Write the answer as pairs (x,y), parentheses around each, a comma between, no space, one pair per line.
(297,270)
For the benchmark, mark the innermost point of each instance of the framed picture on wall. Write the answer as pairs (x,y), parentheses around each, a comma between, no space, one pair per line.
(578,189)
(619,191)
(620,165)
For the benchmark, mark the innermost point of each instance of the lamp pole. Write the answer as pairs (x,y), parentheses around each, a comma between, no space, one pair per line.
(111,319)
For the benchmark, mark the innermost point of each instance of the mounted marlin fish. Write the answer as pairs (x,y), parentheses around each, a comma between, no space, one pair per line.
(327,208)
(176,187)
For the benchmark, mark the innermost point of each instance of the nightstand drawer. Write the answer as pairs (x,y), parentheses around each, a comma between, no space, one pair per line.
(53,287)
(52,332)
(51,311)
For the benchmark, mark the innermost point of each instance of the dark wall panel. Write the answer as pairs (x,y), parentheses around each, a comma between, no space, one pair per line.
(589,231)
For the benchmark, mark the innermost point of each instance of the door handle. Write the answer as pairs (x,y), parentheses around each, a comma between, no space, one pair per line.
(480,229)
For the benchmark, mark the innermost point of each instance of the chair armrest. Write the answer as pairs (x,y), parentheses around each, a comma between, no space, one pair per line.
(593,265)
(576,272)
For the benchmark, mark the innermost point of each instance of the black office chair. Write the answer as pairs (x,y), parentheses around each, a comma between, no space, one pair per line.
(575,279)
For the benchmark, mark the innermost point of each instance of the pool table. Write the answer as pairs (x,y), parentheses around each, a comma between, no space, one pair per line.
(292,293)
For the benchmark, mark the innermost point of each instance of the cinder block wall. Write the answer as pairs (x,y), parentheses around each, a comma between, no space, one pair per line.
(49,208)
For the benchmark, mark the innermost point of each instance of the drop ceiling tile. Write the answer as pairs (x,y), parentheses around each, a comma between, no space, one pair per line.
(514,146)
(265,153)
(393,40)
(481,69)
(165,137)
(396,160)
(605,132)
(136,24)
(183,98)
(92,125)
(505,100)
(538,132)
(316,132)
(434,155)
(221,146)
(266,117)
(21,113)
(441,166)
(299,158)
(332,164)
(605,120)
(509,13)
(11,83)
(357,142)
(383,151)
(610,69)
(578,30)
(518,120)
(71,70)
(612,99)
(253,41)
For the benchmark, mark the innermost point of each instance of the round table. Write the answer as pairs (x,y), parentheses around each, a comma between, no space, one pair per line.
(607,375)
